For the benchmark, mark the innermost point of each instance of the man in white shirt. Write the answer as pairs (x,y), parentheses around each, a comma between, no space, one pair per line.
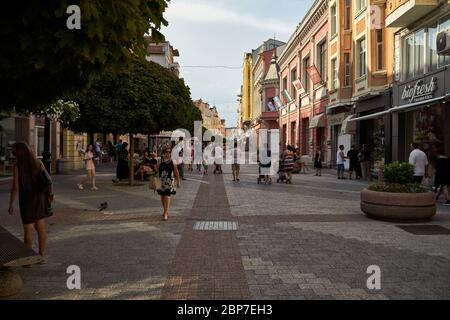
(419,160)
(218,158)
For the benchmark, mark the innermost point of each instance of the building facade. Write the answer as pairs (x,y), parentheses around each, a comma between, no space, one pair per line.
(163,54)
(210,116)
(30,130)
(303,77)
(361,75)
(421,91)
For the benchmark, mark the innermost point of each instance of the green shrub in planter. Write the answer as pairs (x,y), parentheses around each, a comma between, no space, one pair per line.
(398,172)
(399,188)
(398,179)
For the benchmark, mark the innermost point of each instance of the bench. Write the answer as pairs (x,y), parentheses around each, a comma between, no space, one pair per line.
(13,253)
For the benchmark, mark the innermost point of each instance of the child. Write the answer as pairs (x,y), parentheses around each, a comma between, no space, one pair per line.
(205,167)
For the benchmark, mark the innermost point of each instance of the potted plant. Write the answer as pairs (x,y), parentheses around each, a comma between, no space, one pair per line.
(397,197)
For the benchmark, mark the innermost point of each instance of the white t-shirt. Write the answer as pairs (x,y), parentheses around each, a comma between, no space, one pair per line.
(418,158)
(339,159)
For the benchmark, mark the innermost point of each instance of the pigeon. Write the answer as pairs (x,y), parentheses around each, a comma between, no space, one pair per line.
(103,206)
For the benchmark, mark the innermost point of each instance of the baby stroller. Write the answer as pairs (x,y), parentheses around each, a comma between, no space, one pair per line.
(281,174)
(262,176)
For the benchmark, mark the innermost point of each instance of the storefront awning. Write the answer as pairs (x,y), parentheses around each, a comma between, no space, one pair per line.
(418,104)
(370,116)
(400,108)
(317,121)
(347,126)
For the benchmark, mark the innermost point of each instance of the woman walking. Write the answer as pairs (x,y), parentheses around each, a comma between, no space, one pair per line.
(288,163)
(318,163)
(442,176)
(123,171)
(90,168)
(167,171)
(34,185)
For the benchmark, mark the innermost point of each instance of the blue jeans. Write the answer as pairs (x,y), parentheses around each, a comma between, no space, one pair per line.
(340,170)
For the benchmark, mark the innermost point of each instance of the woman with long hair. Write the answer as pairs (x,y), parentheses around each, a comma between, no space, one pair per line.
(90,168)
(34,185)
(167,172)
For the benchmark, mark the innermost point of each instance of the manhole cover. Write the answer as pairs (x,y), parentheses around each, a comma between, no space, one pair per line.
(425,229)
(216,225)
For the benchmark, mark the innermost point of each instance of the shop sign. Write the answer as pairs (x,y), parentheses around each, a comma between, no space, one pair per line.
(420,90)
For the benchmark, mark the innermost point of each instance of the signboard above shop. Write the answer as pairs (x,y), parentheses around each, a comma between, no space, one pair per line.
(429,87)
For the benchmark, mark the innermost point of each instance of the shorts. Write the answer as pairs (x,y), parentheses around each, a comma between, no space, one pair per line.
(235,167)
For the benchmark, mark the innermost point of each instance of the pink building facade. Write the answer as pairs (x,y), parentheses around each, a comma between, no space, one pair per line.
(304,74)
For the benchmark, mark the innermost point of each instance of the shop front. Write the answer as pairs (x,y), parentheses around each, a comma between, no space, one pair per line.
(421,114)
(373,124)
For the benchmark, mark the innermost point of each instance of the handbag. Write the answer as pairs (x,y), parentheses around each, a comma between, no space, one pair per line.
(154,183)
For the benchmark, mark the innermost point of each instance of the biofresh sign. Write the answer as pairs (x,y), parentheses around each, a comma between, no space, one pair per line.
(421,90)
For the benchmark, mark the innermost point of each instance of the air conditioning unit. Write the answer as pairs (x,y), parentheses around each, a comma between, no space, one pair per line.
(443,42)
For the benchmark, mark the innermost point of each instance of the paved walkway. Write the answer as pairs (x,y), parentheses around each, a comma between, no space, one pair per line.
(307,240)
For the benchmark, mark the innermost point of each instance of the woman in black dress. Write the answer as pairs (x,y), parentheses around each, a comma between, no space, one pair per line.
(34,185)
(123,171)
(318,162)
(167,171)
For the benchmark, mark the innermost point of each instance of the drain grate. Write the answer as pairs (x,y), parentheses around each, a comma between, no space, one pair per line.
(424,230)
(216,225)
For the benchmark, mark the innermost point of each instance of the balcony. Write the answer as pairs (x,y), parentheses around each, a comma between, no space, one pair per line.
(401,13)
(269,115)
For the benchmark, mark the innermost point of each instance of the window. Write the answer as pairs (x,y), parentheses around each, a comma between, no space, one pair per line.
(432,50)
(305,74)
(284,84)
(347,14)
(409,57)
(333,20)
(361,51)
(414,54)
(419,52)
(322,59)
(444,24)
(379,49)
(293,78)
(347,78)
(360,5)
(334,76)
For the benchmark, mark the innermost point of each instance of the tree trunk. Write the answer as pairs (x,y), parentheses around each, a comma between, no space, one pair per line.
(131,162)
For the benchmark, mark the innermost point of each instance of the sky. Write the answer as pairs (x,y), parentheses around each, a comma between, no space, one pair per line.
(218,33)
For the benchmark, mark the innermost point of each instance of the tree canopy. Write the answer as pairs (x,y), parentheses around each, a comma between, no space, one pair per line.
(145,98)
(41,59)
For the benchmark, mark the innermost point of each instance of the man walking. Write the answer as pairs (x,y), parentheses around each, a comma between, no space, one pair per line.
(419,160)
(235,166)
(365,163)
(340,162)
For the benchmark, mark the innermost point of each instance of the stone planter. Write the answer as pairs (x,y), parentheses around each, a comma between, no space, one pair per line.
(398,206)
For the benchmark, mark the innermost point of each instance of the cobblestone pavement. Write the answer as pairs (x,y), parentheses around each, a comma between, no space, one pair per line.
(307,240)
